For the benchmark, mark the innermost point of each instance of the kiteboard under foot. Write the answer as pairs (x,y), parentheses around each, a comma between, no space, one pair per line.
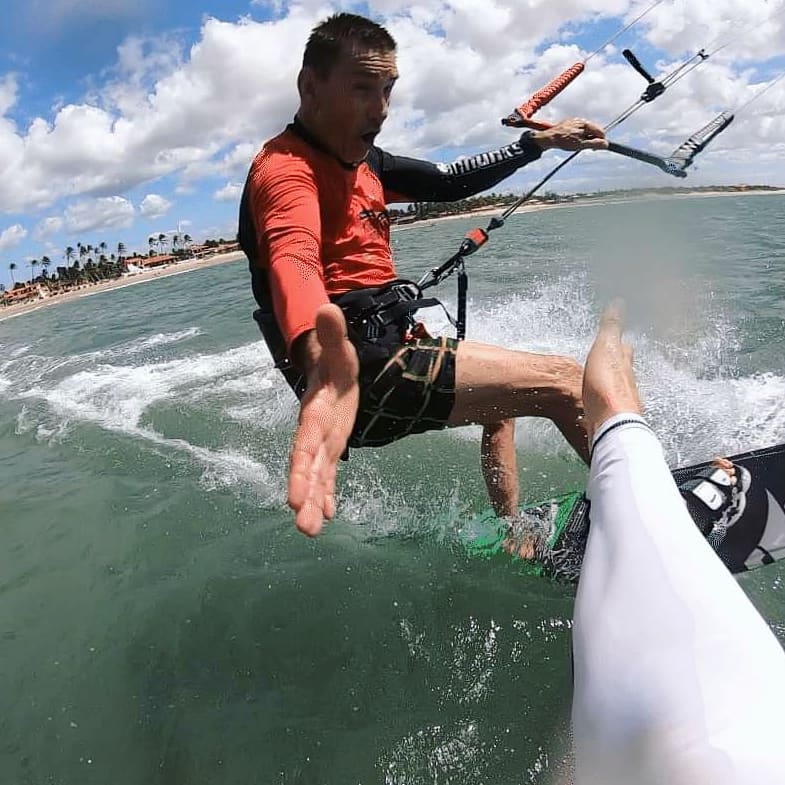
(744,521)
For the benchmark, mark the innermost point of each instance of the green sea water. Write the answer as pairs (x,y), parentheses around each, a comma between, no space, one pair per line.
(162,622)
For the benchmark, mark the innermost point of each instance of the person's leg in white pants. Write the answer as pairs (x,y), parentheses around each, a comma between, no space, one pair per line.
(678,680)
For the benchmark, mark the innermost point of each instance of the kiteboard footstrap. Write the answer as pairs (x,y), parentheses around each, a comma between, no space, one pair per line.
(715,500)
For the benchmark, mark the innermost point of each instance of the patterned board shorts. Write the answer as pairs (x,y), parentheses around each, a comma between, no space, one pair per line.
(413,393)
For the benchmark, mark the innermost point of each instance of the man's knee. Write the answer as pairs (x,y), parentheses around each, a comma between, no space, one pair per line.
(499,428)
(568,376)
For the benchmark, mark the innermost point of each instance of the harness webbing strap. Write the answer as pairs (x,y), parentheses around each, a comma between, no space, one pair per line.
(371,310)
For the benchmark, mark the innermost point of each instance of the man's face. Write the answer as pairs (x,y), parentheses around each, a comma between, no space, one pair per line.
(351,103)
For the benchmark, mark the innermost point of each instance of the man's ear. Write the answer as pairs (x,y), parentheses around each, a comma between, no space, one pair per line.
(306,83)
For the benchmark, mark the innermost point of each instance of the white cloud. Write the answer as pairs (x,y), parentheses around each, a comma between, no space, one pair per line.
(12,236)
(233,163)
(745,30)
(47,227)
(8,93)
(203,112)
(154,206)
(231,192)
(112,212)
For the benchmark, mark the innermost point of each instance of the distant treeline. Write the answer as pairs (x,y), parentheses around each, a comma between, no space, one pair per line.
(418,211)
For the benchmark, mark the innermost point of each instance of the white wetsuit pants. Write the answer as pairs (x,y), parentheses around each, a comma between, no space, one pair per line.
(678,679)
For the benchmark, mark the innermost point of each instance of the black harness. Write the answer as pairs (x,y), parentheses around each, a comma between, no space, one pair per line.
(371,311)
(378,320)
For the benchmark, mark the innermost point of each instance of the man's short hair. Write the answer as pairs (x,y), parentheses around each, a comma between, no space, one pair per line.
(327,39)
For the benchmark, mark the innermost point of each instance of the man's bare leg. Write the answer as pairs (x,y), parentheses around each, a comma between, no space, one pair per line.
(500,467)
(493,383)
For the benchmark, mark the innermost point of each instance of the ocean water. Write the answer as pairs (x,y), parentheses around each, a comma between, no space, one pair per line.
(161,621)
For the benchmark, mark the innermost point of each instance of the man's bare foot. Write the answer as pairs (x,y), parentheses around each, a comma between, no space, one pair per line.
(529,531)
(521,546)
(609,386)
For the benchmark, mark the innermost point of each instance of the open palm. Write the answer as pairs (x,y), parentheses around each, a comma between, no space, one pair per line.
(327,414)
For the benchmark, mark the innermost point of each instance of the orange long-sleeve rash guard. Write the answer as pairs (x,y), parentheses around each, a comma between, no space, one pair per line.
(321,229)
(318,228)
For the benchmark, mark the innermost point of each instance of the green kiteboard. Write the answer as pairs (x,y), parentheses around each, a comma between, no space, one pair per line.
(744,523)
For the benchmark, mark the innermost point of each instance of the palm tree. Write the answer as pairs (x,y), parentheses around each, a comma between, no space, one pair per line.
(11,268)
(102,247)
(33,264)
(120,250)
(151,243)
(161,242)
(69,254)
(45,262)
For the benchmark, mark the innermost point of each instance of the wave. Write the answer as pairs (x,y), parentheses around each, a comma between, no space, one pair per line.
(694,395)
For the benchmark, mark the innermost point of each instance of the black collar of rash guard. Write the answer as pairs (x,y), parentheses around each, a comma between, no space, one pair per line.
(297,127)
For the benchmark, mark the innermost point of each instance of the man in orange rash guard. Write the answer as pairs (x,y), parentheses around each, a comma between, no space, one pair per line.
(314,226)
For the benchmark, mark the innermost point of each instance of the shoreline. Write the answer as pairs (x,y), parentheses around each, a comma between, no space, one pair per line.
(584,202)
(178,268)
(188,265)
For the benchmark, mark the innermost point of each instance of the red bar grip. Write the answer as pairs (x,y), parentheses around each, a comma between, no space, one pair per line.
(550,91)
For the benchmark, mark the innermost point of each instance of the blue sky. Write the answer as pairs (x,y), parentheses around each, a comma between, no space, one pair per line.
(121,119)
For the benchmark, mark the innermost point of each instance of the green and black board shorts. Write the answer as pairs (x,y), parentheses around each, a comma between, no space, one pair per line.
(414,392)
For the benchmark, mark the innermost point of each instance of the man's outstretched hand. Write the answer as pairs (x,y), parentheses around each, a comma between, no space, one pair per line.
(327,413)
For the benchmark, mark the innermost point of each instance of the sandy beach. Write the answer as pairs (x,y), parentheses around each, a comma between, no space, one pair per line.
(586,202)
(119,283)
(198,264)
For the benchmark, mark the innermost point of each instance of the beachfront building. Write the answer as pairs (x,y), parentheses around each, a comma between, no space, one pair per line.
(211,249)
(148,262)
(23,293)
